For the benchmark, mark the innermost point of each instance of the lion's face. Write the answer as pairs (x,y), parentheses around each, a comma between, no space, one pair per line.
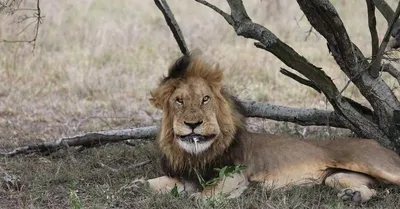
(199,117)
(193,108)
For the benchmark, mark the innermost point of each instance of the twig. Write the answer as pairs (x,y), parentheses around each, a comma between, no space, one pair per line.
(355,77)
(38,21)
(372,27)
(107,167)
(227,17)
(308,33)
(173,25)
(300,79)
(376,63)
(137,165)
(129,143)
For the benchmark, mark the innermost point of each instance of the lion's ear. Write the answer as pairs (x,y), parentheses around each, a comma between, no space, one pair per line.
(156,98)
(159,96)
(155,103)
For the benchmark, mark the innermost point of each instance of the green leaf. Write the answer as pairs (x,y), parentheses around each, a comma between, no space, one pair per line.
(174,191)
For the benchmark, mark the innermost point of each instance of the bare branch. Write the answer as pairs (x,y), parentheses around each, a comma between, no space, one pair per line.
(300,79)
(173,25)
(389,68)
(385,9)
(37,15)
(307,117)
(227,17)
(388,13)
(372,27)
(376,63)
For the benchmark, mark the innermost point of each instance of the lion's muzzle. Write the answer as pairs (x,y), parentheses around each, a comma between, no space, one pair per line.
(196,138)
(195,143)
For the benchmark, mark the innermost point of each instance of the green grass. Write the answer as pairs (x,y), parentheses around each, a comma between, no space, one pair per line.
(94,65)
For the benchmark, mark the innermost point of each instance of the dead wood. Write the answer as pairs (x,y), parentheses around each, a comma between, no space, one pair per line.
(306,117)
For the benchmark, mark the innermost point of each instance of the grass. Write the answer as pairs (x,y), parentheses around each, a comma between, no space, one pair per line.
(94,65)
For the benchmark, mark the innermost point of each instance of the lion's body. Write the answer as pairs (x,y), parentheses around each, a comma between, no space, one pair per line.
(203,128)
(281,161)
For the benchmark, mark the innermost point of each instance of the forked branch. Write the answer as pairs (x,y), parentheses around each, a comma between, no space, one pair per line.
(324,18)
(376,61)
(243,26)
(12,7)
(388,13)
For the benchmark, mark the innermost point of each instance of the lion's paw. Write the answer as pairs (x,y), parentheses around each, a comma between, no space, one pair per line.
(350,195)
(138,185)
(356,195)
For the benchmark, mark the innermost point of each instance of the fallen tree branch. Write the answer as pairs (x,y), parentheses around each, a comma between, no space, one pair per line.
(87,140)
(307,117)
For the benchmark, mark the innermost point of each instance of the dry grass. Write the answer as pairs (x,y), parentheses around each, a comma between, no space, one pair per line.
(93,67)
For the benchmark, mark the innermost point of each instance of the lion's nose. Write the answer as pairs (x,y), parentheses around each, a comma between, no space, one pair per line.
(193,125)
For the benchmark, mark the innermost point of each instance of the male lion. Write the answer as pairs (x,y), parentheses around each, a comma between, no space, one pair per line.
(203,128)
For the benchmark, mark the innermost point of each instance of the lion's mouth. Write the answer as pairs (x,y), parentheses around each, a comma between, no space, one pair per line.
(196,138)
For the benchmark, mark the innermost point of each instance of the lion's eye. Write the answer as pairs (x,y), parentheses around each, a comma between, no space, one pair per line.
(179,101)
(206,99)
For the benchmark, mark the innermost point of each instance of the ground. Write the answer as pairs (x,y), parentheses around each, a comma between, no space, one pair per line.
(92,69)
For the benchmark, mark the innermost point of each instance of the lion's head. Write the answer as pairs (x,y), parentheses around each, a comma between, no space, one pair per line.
(200,119)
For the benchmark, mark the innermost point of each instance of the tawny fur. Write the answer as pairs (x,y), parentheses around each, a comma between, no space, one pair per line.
(273,160)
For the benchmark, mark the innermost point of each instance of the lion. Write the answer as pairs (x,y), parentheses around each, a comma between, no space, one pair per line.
(203,128)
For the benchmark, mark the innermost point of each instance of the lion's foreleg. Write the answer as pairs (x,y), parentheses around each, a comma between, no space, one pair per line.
(231,187)
(165,184)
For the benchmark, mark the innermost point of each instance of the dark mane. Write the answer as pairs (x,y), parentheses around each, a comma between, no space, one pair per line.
(178,68)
